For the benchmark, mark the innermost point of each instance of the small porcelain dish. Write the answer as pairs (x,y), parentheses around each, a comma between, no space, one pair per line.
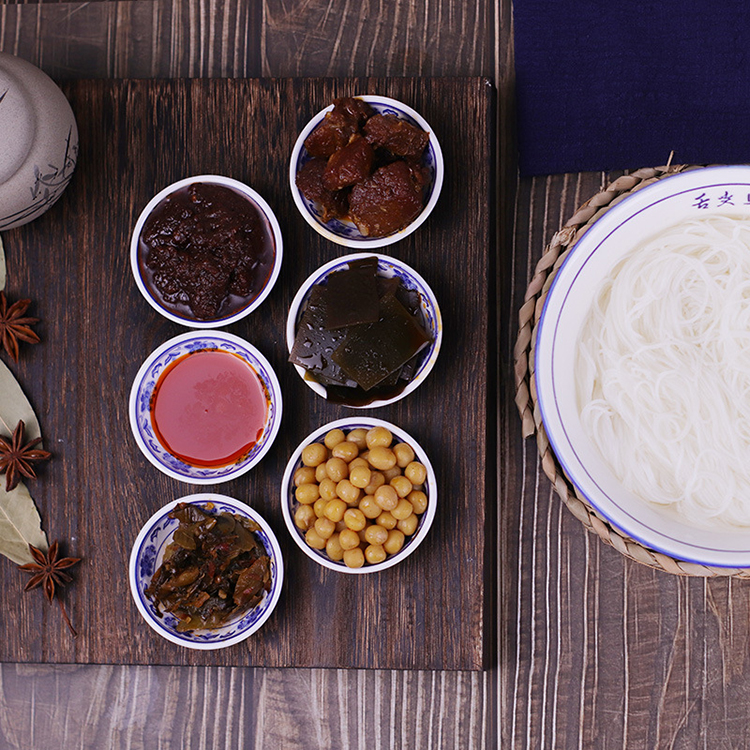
(665,203)
(147,555)
(139,270)
(345,232)
(142,402)
(289,503)
(387,267)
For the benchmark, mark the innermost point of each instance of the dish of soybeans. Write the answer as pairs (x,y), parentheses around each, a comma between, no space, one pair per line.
(359,495)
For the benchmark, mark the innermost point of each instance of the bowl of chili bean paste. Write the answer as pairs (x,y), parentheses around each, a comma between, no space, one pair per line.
(206,250)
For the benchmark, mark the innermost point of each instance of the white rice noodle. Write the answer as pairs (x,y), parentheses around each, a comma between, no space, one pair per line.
(663,371)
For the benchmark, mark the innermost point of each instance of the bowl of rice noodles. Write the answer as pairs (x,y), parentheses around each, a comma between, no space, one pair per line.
(642,366)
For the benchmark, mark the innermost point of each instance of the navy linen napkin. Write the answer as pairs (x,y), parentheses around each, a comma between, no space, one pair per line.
(620,85)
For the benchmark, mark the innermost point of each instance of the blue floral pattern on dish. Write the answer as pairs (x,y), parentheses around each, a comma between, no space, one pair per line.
(150,554)
(145,390)
(147,561)
(348,229)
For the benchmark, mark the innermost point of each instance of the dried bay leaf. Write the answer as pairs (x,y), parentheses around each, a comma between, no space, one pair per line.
(14,406)
(20,522)
(20,525)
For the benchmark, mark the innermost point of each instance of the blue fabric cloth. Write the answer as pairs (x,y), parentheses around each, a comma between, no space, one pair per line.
(619,85)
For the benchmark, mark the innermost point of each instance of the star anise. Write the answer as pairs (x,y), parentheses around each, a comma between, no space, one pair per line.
(15,457)
(14,326)
(48,572)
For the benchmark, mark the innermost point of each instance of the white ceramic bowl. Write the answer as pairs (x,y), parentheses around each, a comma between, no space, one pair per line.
(345,232)
(694,194)
(256,301)
(148,552)
(289,503)
(143,388)
(387,267)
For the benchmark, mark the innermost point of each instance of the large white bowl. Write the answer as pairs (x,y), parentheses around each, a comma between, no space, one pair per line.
(345,232)
(253,197)
(148,552)
(698,193)
(388,268)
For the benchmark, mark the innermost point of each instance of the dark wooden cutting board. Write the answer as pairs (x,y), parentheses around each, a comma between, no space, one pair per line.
(431,611)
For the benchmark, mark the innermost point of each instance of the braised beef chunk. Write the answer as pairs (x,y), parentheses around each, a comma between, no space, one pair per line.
(398,136)
(420,175)
(386,202)
(352,107)
(310,182)
(359,144)
(349,165)
(331,135)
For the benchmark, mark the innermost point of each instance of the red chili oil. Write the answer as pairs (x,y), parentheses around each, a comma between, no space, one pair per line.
(209,408)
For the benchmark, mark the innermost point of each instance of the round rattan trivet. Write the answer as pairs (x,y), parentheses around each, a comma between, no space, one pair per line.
(526,400)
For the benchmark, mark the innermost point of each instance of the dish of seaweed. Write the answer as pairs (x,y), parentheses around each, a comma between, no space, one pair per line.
(361,335)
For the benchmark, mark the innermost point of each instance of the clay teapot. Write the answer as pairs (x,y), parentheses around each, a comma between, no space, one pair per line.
(38,142)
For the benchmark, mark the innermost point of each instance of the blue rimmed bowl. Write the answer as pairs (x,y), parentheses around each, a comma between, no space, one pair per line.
(388,267)
(345,232)
(668,202)
(148,552)
(146,381)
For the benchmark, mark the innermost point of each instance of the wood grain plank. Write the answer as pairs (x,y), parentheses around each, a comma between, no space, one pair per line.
(129,708)
(370,37)
(136,38)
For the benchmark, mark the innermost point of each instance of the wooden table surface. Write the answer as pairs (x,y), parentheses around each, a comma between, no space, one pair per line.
(591,650)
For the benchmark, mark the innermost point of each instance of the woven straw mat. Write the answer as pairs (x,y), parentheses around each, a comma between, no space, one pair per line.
(526,400)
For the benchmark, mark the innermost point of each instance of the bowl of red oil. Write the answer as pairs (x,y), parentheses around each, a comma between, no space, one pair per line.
(205,407)
(206,251)
(364,330)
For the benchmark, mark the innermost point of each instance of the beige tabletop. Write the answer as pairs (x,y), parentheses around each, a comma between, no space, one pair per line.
(590,650)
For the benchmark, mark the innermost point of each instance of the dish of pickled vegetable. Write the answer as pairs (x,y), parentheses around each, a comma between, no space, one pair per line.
(214,570)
